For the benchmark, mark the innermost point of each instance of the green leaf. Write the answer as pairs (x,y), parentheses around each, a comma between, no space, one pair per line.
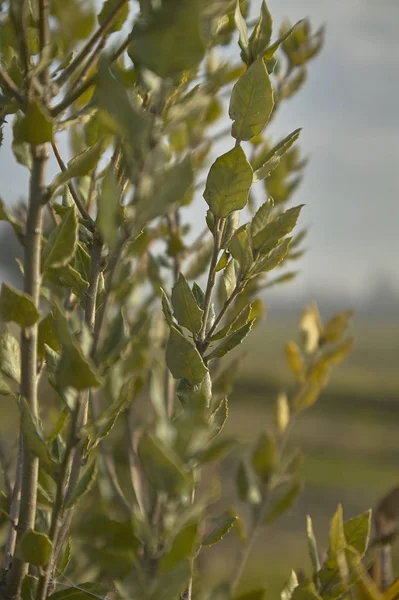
(261,34)
(36,127)
(222,526)
(273,47)
(262,217)
(75,370)
(170,41)
(84,485)
(61,245)
(35,548)
(5,389)
(216,450)
(251,102)
(228,183)
(357,532)
(185,307)
(336,538)
(240,248)
(182,546)
(17,306)
(10,356)
(273,158)
(47,335)
(242,30)
(253,595)
(312,544)
(265,239)
(170,185)
(284,504)
(183,359)
(108,7)
(82,164)
(305,591)
(273,258)
(33,436)
(163,467)
(289,587)
(65,558)
(129,120)
(108,215)
(264,456)
(231,342)
(29,587)
(228,282)
(247,487)
(167,309)
(5,216)
(83,591)
(219,417)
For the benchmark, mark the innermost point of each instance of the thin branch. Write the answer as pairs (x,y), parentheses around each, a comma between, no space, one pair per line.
(44,24)
(135,475)
(110,470)
(218,234)
(20,28)
(29,378)
(237,290)
(59,503)
(72,97)
(91,61)
(9,550)
(87,48)
(80,90)
(79,203)
(7,82)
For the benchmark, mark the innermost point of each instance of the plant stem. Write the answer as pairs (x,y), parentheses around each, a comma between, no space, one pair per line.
(87,48)
(29,379)
(79,203)
(237,290)
(44,27)
(14,512)
(59,504)
(218,234)
(88,83)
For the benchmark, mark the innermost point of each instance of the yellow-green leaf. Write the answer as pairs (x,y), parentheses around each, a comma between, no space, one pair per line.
(185,307)
(10,356)
(61,244)
(251,102)
(82,164)
(261,34)
(183,359)
(108,7)
(36,127)
(35,548)
(17,306)
(228,183)
(170,41)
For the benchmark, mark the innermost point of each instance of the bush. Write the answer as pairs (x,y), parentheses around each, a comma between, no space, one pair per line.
(115,444)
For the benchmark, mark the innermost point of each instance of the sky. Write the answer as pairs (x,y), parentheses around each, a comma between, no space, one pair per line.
(348,110)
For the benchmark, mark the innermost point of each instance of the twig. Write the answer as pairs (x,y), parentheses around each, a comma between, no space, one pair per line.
(59,504)
(29,379)
(87,48)
(79,203)
(14,512)
(135,476)
(237,290)
(44,24)
(218,234)
(91,61)
(21,31)
(7,82)
(80,90)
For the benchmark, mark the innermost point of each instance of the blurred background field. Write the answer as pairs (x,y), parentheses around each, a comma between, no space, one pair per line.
(349,438)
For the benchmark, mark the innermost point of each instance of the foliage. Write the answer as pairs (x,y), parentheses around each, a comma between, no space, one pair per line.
(107,478)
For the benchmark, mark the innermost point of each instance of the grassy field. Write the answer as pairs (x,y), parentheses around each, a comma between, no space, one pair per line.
(349,438)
